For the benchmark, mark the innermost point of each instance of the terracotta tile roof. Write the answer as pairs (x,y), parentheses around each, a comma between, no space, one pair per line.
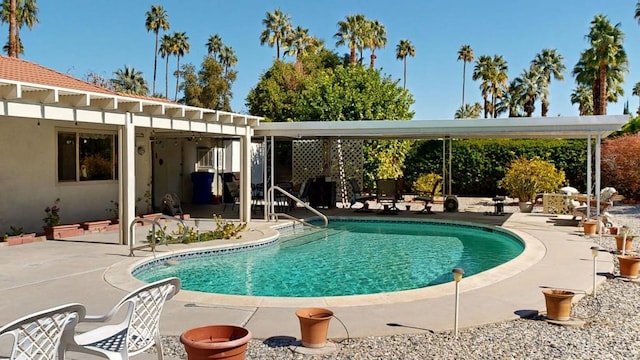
(16,69)
(21,70)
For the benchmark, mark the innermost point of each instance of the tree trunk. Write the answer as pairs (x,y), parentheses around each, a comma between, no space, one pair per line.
(177,78)
(155,66)
(602,79)
(404,85)
(13,41)
(545,107)
(464,69)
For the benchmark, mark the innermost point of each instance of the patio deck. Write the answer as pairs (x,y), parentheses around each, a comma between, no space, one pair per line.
(39,275)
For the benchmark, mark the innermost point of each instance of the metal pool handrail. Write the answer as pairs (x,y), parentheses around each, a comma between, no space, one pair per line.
(271,212)
(153,222)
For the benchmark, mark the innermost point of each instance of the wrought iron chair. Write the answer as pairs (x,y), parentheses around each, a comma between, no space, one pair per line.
(39,335)
(359,197)
(138,331)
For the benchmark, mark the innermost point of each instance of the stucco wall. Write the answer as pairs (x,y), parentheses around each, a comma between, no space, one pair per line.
(28,182)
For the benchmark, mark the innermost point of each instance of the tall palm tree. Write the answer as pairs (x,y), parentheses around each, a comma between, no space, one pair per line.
(350,32)
(511,101)
(498,80)
(603,64)
(466,55)
(166,50)
(214,45)
(404,49)
(156,19)
(278,26)
(583,96)
(636,14)
(529,87)
(18,13)
(130,81)
(636,92)
(482,71)
(375,38)
(549,63)
(227,58)
(180,48)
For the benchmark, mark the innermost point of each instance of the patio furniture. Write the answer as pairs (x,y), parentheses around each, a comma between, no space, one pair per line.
(359,197)
(322,193)
(233,191)
(387,195)
(137,332)
(428,198)
(39,335)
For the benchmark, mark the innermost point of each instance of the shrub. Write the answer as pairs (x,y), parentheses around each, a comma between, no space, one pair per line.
(425,183)
(621,165)
(525,178)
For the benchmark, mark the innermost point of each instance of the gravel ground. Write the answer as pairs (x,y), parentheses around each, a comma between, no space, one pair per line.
(612,321)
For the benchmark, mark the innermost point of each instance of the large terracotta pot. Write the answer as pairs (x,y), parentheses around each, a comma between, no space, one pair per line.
(314,325)
(216,342)
(628,243)
(629,266)
(590,227)
(558,304)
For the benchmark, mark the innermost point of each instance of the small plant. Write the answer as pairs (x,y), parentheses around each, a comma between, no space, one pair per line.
(160,235)
(525,178)
(227,230)
(114,210)
(224,230)
(53,214)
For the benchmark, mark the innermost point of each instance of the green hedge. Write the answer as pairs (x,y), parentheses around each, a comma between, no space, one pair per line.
(478,164)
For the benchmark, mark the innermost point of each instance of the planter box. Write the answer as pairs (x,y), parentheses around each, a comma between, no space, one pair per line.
(62,231)
(21,239)
(95,226)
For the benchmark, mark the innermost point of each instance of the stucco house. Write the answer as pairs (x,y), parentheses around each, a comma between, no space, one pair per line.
(63,138)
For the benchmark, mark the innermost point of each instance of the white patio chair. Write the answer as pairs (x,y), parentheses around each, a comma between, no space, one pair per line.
(139,330)
(39,335)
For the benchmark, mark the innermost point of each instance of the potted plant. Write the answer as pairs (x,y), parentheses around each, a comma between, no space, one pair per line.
(314,326)
(52,227)
(526,178)
(558,303)
(629,266)
(624,239)
(216,342)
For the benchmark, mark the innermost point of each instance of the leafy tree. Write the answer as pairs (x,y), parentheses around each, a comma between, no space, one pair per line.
(130,81)
(527,177)
(549,63)
(636,92)
(278,26)
(351,33)
(404,49)
(621,164)
(602,66)
(180,47)
(156,20)
(18,13)
(466,55)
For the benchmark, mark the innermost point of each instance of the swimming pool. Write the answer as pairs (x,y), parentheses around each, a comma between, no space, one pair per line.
(351,257)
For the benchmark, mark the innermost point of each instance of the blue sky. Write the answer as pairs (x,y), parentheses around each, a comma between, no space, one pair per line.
(79,36)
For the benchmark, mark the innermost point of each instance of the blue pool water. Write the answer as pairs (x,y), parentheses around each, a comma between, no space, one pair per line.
(348,258)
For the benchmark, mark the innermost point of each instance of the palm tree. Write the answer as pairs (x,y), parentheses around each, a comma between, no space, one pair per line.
(636,14)
(636,92)
(602,66)
(166,50)
(18,13)
(583,96)
(482,71)
(468,111)
(529,87)
(180,47)
(404,49)
(298,42)
(498,80)
(549,62)
(214,45)
(350,32)
(376,37)
(156,20)
(278,27)
(227,58)
(466,55)
(130,81)
(511,101)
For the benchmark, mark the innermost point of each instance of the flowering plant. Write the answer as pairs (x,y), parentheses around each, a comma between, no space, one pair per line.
(53,214)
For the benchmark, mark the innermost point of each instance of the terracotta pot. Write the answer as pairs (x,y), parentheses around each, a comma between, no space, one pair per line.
(216,342)
(558,304)
(628,244)
(590,227)
(314,326)
(613,231)
(629,266)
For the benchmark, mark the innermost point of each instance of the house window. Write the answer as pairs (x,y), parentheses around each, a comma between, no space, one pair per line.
(87,156)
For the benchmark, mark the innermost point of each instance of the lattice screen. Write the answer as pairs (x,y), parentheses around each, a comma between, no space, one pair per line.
(309,156)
